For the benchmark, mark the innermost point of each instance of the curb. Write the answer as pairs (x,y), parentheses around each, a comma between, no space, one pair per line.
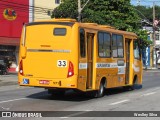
(150,68)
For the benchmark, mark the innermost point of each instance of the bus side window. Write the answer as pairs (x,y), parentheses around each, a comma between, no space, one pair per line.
(107,44)
(114,46)
(136,50)
(104,44)
(82,43)
(120,45)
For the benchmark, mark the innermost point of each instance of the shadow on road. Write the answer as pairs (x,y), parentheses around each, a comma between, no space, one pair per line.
(71,95)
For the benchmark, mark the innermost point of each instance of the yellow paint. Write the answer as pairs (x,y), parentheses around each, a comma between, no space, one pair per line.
(45,51)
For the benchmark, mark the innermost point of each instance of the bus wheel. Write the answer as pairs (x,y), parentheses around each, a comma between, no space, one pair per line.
(100,93)
(132,87)
(134,83)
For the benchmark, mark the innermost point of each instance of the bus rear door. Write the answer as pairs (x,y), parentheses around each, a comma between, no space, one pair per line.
(86,60)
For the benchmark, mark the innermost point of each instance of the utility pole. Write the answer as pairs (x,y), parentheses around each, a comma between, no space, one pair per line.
(80,9)
(154,41)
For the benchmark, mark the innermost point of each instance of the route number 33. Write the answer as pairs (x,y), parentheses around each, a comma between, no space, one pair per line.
(62,63)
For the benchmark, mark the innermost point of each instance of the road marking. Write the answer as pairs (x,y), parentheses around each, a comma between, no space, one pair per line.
(88,110)
(5,108)
(64,117)
(152,71)
(122,101)
(21,87)
(147,94)
(12,100)
(76,114)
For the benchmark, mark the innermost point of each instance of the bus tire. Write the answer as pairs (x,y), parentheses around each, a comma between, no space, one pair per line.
(100,92)
(133,87)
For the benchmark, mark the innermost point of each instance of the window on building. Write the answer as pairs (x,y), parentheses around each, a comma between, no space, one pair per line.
(117,46)
(49,13)
(157,37)
(57,1)
(104,44)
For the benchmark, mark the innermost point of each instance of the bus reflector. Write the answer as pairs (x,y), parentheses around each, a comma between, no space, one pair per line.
(70,69)
(21,67)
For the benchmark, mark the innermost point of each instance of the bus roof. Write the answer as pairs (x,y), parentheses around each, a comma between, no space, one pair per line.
(71,22)
(106,28)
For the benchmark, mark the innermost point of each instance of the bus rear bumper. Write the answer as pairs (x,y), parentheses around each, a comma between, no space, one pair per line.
(48,83)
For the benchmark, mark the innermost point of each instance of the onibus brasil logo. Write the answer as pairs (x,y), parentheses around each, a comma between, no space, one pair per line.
(9,14)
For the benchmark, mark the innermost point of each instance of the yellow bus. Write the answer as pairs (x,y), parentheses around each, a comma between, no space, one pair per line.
(62,54)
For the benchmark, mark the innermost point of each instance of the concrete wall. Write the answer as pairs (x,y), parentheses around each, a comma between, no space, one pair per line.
(41,8)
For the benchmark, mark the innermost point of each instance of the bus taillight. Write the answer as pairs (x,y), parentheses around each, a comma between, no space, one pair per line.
(21,67)
(70,69)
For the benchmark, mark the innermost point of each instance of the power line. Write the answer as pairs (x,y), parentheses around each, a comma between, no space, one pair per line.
(145,2)
(26,8)
(23,6)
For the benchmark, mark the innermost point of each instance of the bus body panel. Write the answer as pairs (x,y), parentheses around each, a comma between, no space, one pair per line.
(48,82)
(42,48)
(47,58)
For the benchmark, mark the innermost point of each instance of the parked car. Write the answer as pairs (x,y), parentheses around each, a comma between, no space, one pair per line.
(3,68)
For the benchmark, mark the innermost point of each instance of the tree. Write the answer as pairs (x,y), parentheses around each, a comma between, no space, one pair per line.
(117,13)
(67,9)
(147,12)
(143,35)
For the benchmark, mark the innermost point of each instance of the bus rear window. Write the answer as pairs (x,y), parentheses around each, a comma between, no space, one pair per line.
(59,31)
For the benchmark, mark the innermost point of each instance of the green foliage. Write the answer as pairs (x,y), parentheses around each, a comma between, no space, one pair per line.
(117,13)
(143,35)
(146,12)
(68,9)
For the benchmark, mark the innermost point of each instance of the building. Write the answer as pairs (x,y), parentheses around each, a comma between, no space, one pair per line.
(43,9)
(150,57)
(13,14)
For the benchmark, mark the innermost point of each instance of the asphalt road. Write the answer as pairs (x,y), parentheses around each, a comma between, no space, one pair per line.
(15,98)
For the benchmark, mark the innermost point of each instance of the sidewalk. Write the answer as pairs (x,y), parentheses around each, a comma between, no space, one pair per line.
(150,68)
(10,79)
